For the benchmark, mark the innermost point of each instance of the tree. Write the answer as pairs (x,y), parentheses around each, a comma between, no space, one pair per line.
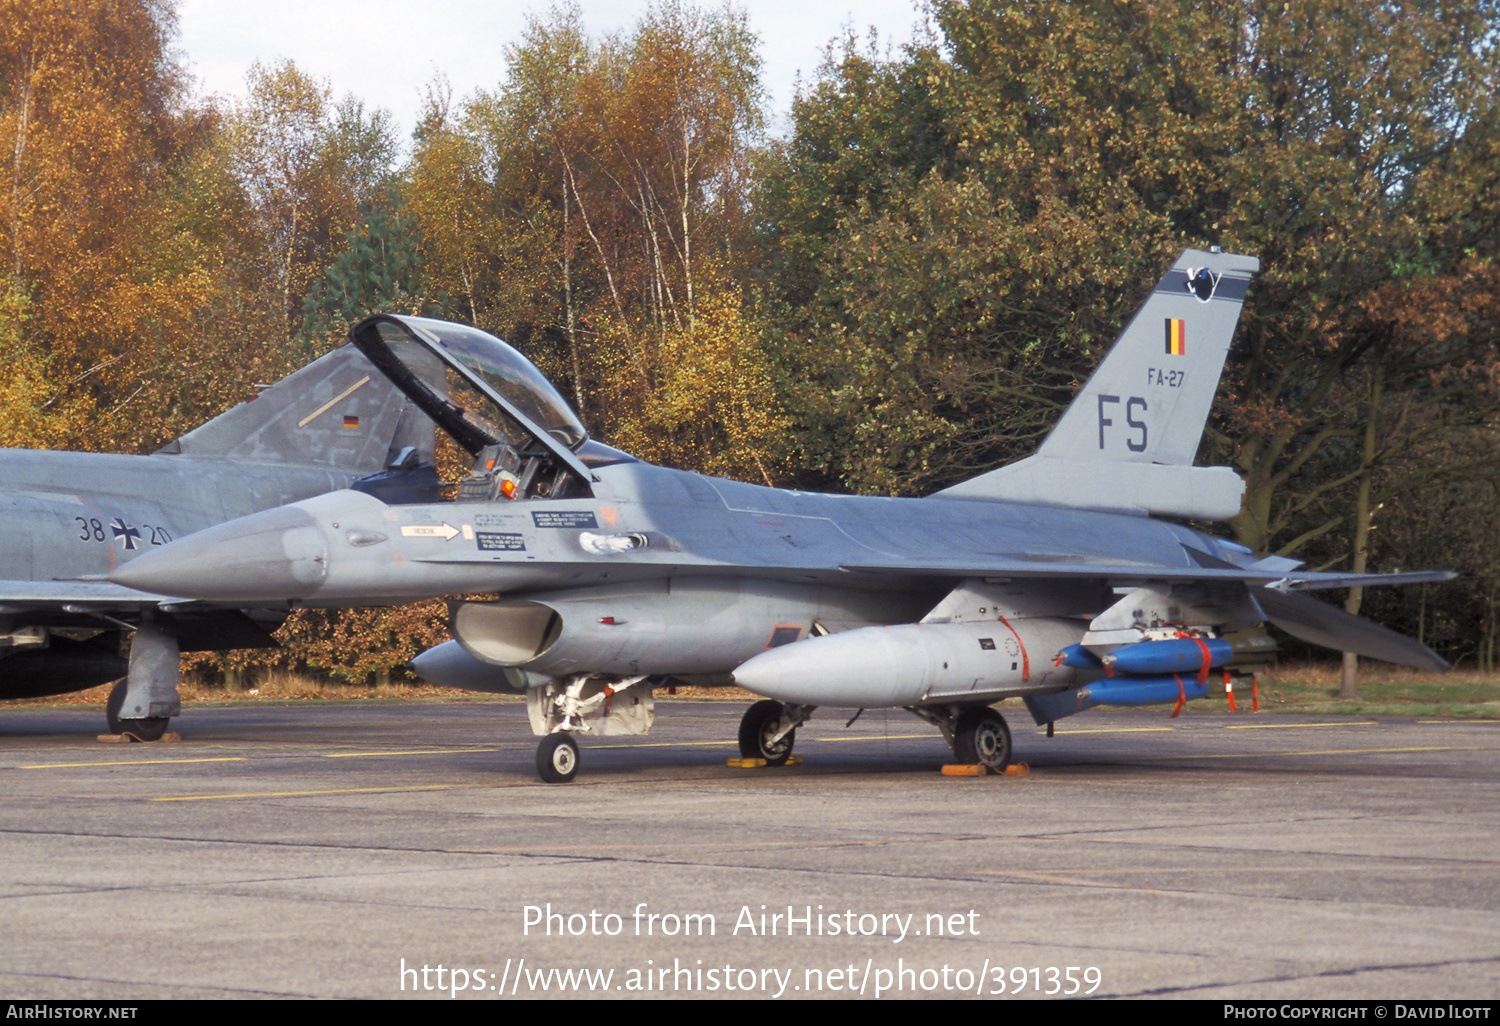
(713,407)
(380,269)
(936,300)
(306,166)
(595,204)
(90,111)
(955,223)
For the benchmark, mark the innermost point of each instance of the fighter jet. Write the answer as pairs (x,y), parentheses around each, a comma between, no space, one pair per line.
(1050,580)
(68,519)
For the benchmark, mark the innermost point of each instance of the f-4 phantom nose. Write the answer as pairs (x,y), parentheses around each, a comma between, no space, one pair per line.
(274,555)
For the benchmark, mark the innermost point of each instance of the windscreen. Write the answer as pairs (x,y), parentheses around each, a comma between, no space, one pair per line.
(479,391)
(509,374)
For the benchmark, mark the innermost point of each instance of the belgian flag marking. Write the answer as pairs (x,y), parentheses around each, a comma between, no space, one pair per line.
(1176,337)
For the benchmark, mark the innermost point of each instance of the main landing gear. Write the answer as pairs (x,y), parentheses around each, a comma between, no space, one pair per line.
(151,728)
(978,734)
(769,729)
(982,737)
(150,686)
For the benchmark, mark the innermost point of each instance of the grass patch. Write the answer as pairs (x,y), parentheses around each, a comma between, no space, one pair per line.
(1384,690)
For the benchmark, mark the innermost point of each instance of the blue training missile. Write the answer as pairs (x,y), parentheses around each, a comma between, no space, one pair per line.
(1142,690)
(1116,691)
(1079,657)
(1171,655)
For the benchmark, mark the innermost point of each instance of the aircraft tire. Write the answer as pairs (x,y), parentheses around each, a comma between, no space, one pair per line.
(557,759)
(982,737)
(149,729)
(761,721)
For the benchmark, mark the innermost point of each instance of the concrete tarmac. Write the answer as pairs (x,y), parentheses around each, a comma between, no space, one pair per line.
(408,850)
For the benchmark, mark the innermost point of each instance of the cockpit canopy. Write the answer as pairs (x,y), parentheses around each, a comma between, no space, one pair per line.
(478,389)
(489,398)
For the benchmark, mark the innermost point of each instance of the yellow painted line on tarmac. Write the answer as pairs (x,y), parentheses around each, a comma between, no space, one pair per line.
(882,737)
(129,762)
(1113,730)
(1329,751)
(667,744)
(1293,726)
(313,794)
(414,751)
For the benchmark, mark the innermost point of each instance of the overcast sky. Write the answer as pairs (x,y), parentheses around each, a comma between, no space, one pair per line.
(385,51)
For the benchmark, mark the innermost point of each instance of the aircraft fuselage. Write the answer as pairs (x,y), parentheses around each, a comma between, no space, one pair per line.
(65,515)
(643,523)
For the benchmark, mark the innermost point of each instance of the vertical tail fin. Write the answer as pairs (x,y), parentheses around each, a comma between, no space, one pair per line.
(1127,440)
(339,411)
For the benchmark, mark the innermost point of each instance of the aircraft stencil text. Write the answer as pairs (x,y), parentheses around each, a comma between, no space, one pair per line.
(1135,406)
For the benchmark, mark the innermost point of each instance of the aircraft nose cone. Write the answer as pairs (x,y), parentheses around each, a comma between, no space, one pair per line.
(274,555)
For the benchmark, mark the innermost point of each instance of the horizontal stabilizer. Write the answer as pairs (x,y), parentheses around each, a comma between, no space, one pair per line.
(1203,493)
(1321,624)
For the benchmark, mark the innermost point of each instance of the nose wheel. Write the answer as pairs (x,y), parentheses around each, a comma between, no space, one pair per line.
(557,758)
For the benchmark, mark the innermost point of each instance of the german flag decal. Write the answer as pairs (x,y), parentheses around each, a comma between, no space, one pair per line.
(351,422)
(1176,337)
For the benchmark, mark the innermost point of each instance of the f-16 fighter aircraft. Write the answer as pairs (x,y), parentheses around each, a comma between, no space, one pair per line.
(1047,580)
(68,516)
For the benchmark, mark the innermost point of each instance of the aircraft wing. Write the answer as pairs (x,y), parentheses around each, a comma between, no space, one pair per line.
(1276,578)
(95,604)
(24,596)
(1125,572)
